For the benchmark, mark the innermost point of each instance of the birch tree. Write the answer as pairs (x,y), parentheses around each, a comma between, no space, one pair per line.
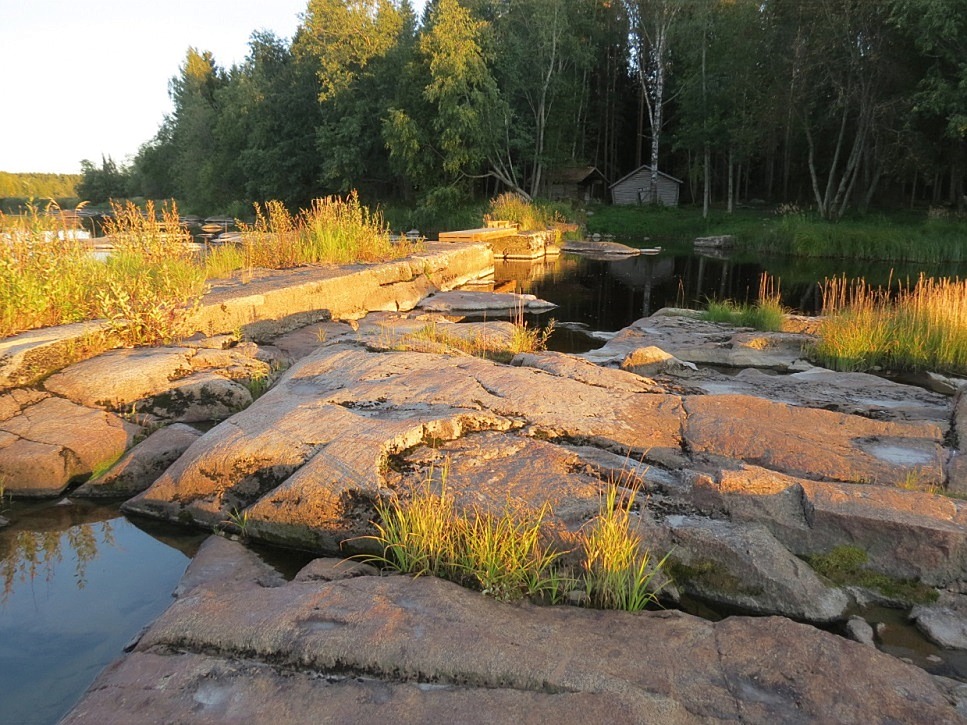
(651,27)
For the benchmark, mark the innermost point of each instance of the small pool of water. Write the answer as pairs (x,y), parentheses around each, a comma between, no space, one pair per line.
(79,581)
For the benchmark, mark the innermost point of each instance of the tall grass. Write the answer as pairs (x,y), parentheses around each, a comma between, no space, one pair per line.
(506,555)
(767,314)
(532,216)
(148,284)
(332,230)
(920,326)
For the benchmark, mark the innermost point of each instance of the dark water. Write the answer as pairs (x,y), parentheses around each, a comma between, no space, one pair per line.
(597,295)
(79,582)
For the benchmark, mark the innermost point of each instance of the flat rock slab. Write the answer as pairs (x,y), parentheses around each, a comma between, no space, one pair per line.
(811,443)
(462,301)
(383,648)
(305,459)
(50,442)
(855,393)
(682,334)
(592,248)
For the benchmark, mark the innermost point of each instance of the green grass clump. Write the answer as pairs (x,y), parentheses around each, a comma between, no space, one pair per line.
(767,314)
(845,565)
(919,327)
(532,216)
(506,556)
(618,572)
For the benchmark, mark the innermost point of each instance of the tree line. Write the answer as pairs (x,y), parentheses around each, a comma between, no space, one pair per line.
(834,104)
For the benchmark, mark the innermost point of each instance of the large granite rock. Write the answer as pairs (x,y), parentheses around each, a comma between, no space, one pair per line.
(422,650)
(46,443)
(306,458)
(170,384)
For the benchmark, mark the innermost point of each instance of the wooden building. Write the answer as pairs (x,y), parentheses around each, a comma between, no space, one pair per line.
(578,183)
(635,188)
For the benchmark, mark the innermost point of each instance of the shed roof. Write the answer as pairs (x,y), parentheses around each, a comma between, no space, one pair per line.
(645,166)
(574,174)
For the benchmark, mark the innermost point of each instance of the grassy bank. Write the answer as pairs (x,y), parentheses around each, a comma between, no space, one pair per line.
(901,236)
(148,284)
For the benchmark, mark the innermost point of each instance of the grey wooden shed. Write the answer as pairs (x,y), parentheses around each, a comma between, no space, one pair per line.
(634,188)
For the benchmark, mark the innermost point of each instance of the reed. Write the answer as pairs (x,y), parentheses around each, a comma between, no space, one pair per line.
(919,326)
(767,314)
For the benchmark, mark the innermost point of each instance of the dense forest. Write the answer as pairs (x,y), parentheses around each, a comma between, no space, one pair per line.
(838,105)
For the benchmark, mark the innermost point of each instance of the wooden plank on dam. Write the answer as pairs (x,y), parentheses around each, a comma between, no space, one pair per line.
(476,235)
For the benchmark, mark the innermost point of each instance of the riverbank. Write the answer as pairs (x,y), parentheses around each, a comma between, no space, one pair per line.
(733,442)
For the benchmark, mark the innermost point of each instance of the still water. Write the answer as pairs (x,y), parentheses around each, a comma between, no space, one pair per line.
(79,580)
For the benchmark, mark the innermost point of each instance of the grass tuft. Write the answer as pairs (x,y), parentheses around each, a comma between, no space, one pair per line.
(506,556)
(922,326)
(767,314)
(618,573)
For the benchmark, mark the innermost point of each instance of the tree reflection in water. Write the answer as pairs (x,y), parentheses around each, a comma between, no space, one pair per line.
(29,554)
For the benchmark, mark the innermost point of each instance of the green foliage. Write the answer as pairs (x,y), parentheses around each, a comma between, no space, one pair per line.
(846,565)
(98,185)
(767,314)
(38,186)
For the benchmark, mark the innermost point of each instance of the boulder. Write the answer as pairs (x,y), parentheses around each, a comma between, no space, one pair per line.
(859,630)
(143,464)
(651,360)
(744,566)
(379,648)
(51,442)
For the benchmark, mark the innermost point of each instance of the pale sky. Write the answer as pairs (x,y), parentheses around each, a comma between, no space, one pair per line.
(82,79)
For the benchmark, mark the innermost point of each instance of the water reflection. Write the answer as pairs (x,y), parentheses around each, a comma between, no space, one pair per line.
(607,295)
(79,582)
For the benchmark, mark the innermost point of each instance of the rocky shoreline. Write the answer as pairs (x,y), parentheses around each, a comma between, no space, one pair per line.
(754,469)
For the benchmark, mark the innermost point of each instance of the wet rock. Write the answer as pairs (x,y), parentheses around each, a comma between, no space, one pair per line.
(744,566)
(224,565)
(379,648)
(812,443)
(859,630)
(598,249)
(143,464)
(52,442)
(945,622)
